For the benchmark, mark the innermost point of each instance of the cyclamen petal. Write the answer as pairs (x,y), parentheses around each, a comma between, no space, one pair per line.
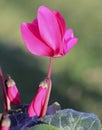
(49,28)
(34,44)
(47,34)
(69,34)
(61,22)
(69,40)
(70,44)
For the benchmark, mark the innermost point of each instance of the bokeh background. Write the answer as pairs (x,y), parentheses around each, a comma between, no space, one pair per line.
(77,77)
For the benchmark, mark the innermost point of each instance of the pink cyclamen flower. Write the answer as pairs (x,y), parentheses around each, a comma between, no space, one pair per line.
(12,91)
(47,34)
(37,105)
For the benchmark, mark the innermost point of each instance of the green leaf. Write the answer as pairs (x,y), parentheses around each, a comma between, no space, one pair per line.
(69,119)
(44,127)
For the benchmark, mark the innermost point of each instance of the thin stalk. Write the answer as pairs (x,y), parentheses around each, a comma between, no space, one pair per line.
(8,103)
(49,88)
(49,69)
(47,98)
(3,91)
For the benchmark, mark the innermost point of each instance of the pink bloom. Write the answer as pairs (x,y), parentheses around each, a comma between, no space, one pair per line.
(37,105)
(47,34)
(12,91)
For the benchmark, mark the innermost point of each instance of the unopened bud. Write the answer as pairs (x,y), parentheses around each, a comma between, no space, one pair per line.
(12,91)
(53,108)
(10,83)
(5,124)
(36,106)
(44,84)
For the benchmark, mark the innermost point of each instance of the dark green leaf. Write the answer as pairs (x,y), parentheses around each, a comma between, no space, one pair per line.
(43,127)
(69,119)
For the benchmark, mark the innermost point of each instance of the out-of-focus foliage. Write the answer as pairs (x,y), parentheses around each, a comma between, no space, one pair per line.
(76,77)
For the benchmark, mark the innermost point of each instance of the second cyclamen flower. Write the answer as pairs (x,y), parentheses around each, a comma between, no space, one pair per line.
(47,34)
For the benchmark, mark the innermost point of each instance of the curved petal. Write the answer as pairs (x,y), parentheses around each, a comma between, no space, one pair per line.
(70,44)
(33,41)
(68,35)
(34,29)
(61,22)
(49,28)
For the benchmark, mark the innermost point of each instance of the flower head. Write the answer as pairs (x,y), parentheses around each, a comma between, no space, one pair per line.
(47,34)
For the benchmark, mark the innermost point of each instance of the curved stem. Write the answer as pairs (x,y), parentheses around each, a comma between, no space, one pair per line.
(49,69)
(3,90)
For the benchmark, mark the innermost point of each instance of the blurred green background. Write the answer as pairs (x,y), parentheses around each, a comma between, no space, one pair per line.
(77,77)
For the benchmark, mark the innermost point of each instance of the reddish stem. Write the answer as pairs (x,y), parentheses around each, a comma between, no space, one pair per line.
(8,103)
(47,98)
(49,69)
(3,91)
(49,88)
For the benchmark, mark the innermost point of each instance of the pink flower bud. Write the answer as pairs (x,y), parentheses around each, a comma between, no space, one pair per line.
(37,105)
(4,128)
(12,91)
(5,124)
